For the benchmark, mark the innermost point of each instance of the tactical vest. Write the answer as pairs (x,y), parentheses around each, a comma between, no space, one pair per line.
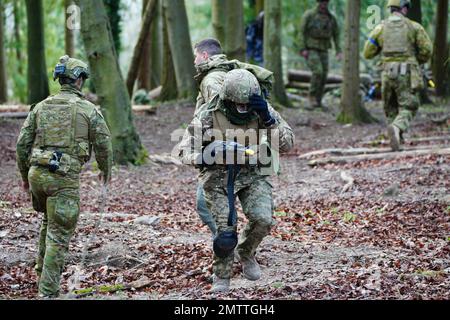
(248,135)
(397,42)
(320,26)
(56,122)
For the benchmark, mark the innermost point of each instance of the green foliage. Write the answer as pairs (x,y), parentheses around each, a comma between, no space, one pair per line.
(141,157)
(349,217)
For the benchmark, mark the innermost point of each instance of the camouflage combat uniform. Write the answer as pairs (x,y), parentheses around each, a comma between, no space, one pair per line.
(315,35)
(403,44)
(252,185)
(210,76)
(67,123)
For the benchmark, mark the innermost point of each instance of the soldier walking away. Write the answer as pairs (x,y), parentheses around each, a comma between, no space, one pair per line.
(318,27)
(55,141)
(403,45)
(239,108)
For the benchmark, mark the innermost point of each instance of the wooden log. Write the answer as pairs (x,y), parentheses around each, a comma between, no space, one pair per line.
(304,76)
(422,139)
(380,156)
(357,151)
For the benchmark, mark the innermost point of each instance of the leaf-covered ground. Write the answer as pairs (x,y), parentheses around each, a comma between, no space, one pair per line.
(386,237)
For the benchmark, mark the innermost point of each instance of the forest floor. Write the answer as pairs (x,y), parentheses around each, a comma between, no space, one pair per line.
(387,236)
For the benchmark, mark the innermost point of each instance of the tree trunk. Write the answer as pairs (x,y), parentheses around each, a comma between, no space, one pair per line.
(38,88)
(144,72)
(415,13)
(180,47)
(144,35)
(235,40)
(272,48)
(113,12)
(440,49)
(169,89)
(110,87)
(218,8)
(156,48)
(3,80)
(69,33)
(352,110)
(17,38)
(259,6)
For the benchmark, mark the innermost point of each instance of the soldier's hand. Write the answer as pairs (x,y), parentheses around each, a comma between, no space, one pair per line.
(26,186)
(304,54)
(260,106)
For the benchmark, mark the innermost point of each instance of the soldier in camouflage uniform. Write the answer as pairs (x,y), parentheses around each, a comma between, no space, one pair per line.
(404,45)
(238,107)
(212,66)
(318,27)
(55,141)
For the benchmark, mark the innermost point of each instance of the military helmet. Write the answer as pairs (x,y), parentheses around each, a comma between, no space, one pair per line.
(70,68)
(238,86)
(399,3)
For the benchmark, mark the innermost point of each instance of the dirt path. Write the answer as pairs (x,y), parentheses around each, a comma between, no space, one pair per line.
(387,237)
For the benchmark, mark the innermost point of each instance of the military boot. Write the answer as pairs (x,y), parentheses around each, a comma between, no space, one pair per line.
(394,137)
(250,268)
(220,285)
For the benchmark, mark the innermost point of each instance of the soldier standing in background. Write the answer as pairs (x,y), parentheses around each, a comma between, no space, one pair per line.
(404,45)
(318,27)
(55,141)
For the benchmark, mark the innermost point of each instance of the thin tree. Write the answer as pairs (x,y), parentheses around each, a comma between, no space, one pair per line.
(415,12)
(38,88)
(113,12)
(156,47)
(17,37)
(219,23)
(144,69)
(139,48)
(272,48)
(235,44)
(169,90)
(3,80)
(109,84)
(69,33)
(352,110)
(441,49)
(180,47)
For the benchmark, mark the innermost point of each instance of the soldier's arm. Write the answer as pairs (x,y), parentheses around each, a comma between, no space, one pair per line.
(424,45)
(190,147)
(302,31)
(211,85)
(25,144)
(100,138)
(336,36)
(285,133)
(373,45)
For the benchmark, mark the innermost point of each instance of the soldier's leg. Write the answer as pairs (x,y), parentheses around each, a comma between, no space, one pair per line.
(203,212)
(325,66)
(217,201)
(408,102)
(39,199)
(62,211)
(390,104)
(316,67)
(257,205)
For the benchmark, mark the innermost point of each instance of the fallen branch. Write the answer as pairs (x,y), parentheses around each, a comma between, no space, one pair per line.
(422,139)
(380,156)
(358,151)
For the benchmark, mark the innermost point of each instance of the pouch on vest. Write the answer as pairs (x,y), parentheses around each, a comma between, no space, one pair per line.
(321,27)
(392,70)
(417,82)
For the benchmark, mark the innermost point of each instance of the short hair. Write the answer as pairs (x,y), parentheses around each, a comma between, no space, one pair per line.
(66,80)
(210,45)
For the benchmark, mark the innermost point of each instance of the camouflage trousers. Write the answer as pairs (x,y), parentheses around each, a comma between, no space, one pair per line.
(400,101)
(57,197)
(255,194)
(318,64)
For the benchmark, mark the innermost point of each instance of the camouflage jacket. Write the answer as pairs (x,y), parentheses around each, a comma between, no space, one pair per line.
(87,130)
(317,30)
(417,38)
(198,133)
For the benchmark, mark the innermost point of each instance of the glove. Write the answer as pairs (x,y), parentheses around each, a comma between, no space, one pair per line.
(259,105)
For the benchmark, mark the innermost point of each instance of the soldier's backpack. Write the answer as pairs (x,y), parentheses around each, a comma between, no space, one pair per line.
(396,40)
